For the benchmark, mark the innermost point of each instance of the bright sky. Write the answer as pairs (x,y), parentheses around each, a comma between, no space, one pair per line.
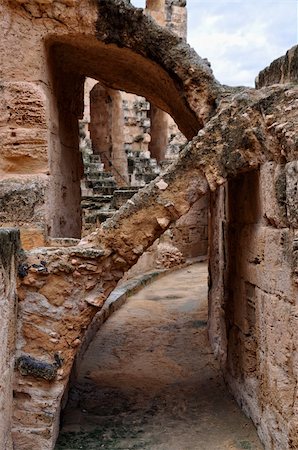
(240,37)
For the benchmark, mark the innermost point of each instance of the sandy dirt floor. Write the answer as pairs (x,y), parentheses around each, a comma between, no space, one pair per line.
(149,379)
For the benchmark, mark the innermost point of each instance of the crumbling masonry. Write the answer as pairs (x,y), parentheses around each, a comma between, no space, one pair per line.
(242,149)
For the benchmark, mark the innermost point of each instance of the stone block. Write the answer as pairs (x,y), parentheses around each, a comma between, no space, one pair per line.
(264,258)
(56,290)
(23,151)
(22,200)
(281,70)
(22,104)
(32,237)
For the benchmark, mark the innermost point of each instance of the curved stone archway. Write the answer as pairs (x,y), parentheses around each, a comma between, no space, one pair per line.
(63,288)
(110,41)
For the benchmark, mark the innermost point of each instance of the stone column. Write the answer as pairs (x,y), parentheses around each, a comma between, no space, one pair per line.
(159,133)
(176,17)
(66,165)
(106,130)
(158,118)
(171,14)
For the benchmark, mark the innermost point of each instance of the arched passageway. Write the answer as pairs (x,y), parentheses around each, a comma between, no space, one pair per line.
(71,59)
(149,379)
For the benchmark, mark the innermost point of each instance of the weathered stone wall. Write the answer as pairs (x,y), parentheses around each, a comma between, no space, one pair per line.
(186,239)
(282,70)
(190,233)
(253,284)
(55,45)
(253,297)
(136,123)
(9,246)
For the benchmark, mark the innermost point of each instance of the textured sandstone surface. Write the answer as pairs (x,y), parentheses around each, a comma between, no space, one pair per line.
(9,246)
(245,154)
(228,146)
(282,70)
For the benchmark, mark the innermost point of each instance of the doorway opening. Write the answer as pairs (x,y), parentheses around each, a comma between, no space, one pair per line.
(125,143)
(112,109)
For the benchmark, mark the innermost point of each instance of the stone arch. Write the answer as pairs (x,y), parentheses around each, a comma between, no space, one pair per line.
(68,286)
(110,41)
(61,289)
(137,56)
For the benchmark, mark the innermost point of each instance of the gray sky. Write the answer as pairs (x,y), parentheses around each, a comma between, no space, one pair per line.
(240,37)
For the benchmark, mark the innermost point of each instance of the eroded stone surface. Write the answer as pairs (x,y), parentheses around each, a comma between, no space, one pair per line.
(9,247)
(282,70)
(253,254)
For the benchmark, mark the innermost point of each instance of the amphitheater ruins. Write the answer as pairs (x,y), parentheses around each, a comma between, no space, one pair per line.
(239,164)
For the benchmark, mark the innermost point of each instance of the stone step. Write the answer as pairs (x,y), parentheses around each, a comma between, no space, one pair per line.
(92,178)
(98,198)
(104,190)
(146,177)
(94,165)
(91,206)
(97,174)
(97,184)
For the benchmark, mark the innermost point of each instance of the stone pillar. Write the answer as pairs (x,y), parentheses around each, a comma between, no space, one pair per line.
(119,157)
(158,118)
(159,133)
(106,130)
(176,17)
(66,165)
(9,244)
(171,14)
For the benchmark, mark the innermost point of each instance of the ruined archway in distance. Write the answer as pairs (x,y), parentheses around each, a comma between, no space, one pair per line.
(140,58)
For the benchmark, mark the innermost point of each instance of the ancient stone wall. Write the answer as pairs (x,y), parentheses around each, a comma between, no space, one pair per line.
(190,233)
(253,297)
(42,99)
(9,246)
(253,282)
(282,70)
(246,145)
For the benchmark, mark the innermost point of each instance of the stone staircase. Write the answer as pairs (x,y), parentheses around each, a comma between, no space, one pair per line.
(141,168)
(101,197)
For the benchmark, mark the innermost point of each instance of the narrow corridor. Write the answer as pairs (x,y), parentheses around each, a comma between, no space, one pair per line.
(149,379)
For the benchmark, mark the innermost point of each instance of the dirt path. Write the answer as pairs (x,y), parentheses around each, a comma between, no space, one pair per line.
(149,379)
